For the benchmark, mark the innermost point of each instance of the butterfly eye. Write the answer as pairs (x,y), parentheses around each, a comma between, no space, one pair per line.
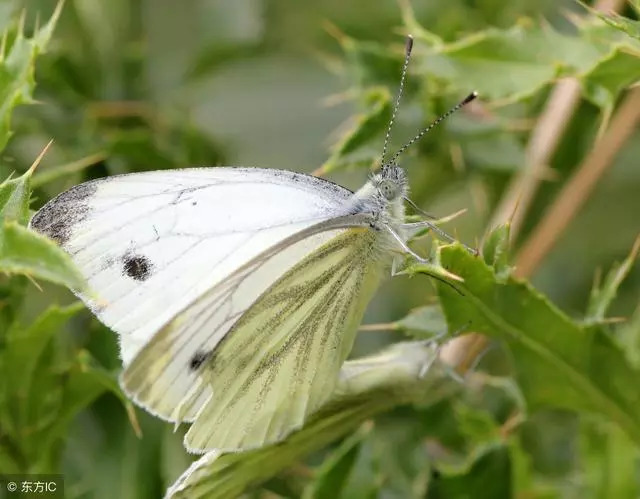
(388,189)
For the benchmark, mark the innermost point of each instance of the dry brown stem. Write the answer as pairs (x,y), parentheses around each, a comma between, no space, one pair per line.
(542,145)
(579,187)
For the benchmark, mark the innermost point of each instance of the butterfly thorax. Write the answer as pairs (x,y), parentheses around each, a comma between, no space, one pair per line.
(382,198)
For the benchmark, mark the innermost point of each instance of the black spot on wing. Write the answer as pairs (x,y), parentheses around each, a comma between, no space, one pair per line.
(138,267)
(59,216)
(198,359)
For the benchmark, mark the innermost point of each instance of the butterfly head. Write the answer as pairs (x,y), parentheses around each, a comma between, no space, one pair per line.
(391,182)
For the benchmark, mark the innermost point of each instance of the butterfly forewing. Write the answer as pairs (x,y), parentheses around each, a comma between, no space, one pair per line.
(150,244)
(278,362)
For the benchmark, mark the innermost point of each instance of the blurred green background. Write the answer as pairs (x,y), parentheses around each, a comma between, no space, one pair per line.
(141,85)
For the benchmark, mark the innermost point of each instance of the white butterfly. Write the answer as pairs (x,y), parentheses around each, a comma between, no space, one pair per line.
(235,292)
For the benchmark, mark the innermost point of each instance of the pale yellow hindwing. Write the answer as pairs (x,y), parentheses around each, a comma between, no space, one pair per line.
(279,362)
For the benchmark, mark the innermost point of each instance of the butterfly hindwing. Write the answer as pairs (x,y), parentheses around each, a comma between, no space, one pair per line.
(277,363)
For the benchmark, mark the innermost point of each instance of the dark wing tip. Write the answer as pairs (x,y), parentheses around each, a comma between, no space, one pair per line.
(57,218)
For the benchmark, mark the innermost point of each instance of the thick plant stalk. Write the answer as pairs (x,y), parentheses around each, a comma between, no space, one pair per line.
(579,187)
(542,144)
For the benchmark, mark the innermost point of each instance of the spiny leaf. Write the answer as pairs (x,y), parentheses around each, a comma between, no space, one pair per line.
(14,199)
(434,270)
(604,83)
(23,251)
(622,23)
(602,296)
(546,345)
(15,194)
(510,65)
(17,64)
(495,250)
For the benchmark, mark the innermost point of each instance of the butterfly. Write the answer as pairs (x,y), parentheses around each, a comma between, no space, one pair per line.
(236,293)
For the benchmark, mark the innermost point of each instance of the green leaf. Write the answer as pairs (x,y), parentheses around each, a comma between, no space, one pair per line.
(423,322)
(609,461)
(17,62)
(499,152)
(23,395)
(495,251)
(546,345)
(488,475)
(85,381)
(371,63)
(510,65)
(477,425)
(628,336)
(481,417)
(401,374)
(66,388)
(624,24)
(12,293)
(604,83)
(602,295)
(334,471)
(367,125)
(14,199)
(522,475)
(435,270)
(39,389)
(23,251)
(15,195)
(22,353)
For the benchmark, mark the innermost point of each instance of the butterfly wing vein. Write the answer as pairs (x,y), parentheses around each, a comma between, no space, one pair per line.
(275,365)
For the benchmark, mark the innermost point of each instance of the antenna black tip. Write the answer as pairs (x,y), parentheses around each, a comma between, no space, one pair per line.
(409,45)
(469,98)
(407,56)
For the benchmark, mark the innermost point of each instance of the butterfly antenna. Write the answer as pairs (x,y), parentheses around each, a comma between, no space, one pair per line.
(407,56)
(459,105)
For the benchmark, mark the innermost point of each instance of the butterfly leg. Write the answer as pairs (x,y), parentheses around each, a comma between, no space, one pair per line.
(415,226)
(404,246)
(427,365)
(418,209)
